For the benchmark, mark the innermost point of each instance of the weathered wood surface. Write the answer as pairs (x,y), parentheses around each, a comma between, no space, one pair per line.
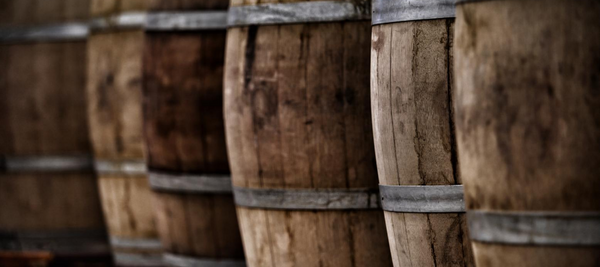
(43,113)
(115,94)
(110,7)
(116,125)
(40,12)
(297,115)
(128,206)
(527,116)
(183,95)
(199,225)
(185,133)
(411,83)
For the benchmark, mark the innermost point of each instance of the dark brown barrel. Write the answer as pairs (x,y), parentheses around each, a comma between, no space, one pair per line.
(115,57)
(50,211)
(299,134)
(528,130)
(411,98)
(185,134)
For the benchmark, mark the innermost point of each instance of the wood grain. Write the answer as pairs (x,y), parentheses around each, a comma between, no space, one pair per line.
(183,99)
(115,94)
(414,138)
(527,116)
(40,12)
(185,133)
(297,115)
(116,123)
(128,206)
(44,114)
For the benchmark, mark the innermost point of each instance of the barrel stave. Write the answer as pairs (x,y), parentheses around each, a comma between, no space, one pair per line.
(411,81)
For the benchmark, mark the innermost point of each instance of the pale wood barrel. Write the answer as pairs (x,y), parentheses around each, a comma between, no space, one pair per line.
(299,135)
(115,66)
(413,129)
(50,210)
(185,137)
(527,122)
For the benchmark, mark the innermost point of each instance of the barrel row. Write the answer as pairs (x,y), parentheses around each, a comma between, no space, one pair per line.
(164,59)
(50,212)
(419,191)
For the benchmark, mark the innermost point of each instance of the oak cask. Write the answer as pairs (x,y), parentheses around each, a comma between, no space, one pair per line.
(299,134)
(413,128)
(116,124)
(50,211)
(185,136)
(527,113)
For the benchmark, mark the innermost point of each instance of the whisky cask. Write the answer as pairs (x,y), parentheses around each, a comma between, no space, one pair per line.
(527,113)
(299,135)
(115,117)
(50,211)
(185,137)
(413,129)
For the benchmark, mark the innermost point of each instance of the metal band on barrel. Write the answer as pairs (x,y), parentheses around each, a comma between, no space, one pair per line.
(422,199)
(389,11)
(128,167)
(138,259)
(48,163)
(74,31)
(535,228)
(307,199)
(190,183)
(163,21)
(135,243)
(471,1)
(301,12)
(183,261)
(67,241)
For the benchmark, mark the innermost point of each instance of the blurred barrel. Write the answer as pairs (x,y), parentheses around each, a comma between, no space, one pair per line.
(528,130)
(48,194)
(299,134)
(185,135)
(413,128)
(116,124)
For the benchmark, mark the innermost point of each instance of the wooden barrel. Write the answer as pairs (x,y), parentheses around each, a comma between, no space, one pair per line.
(413,128)
(115,56)
(185,136)
(299,135)
(527,122)
(50,210)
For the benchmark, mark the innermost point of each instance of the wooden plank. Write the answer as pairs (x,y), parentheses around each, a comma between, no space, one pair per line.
(526,117)
(127,205)
(238,118)
(181,78)
(172,93)
(325,106)
(385,144)
(291,83)
(414,138)
(226,228)
(45,202)
(115,94)
(360,154)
